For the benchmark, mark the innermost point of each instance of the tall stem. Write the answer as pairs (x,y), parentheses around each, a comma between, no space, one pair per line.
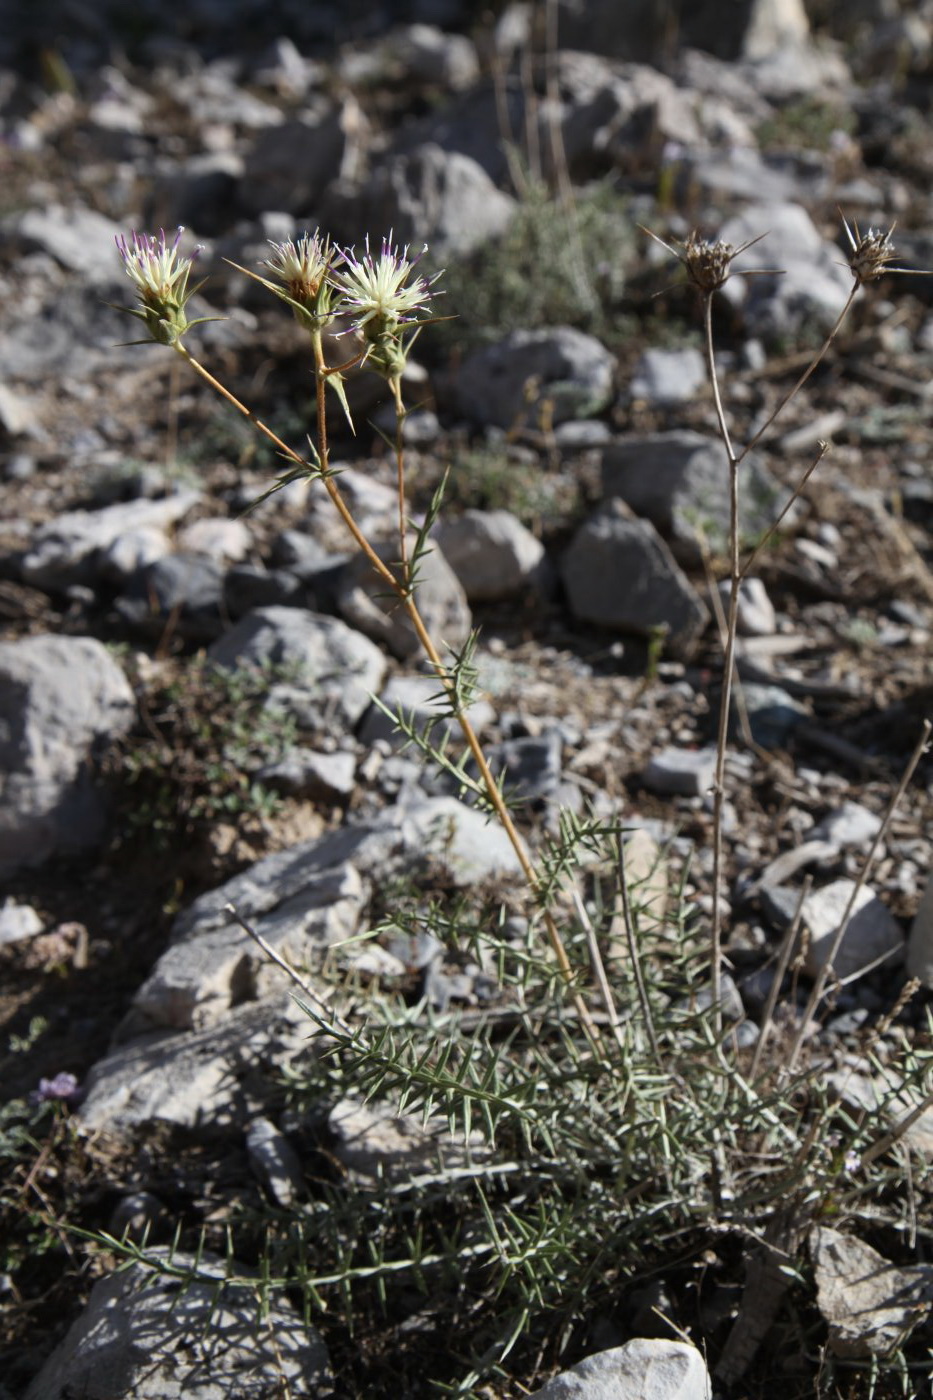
(722,733)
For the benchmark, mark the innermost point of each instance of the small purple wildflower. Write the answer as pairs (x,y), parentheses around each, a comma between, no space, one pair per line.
(63,1089)
(379,293)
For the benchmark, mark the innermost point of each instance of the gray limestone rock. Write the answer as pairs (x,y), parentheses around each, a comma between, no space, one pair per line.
(619,573)
(680,482)
(872,933)
(812,286)
(336,669)
(70,547)
(150,1336)
(647,1368)
(201,976)
(418,697)
(492,553)
(667,377)
(364,601)
(689,772)
(290,163)
(194,1079)
(869,1303)
(61,700)
(559,372)
(443,198)
(274,1161)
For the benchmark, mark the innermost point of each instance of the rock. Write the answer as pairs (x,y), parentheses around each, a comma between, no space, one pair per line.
(198,192)
(220,539)
(138,1216)
(755,617)
(667,377)
(290,163)
(885,1093)
(195,1079)
(619,573)
(688,772)
(131,552)
(492,553)
(417,697)
(849,825)
(774,25)
(61,700)
(361,598)
(869,1303)
(17,415)
(185,590)
(68,549)
(248,586)
(337,670)
(872,933)
(150,1336)
(555,373)
(812,286)
(531,766)
(78,238)
(647,1368)
(274,1161)
(428,55)
(376,1143)
(428,195)
(680,482)
(18,921)
(329,777)
(617,116)
(403,838)
(772,714)
(200,977)
(920,941)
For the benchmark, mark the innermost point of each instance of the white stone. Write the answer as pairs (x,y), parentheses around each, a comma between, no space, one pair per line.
(492,553)
(869,1303)
(689,772)
(61,698)
(149,1336)
(872,933)
(18,921)
(647,1368)
(227,541)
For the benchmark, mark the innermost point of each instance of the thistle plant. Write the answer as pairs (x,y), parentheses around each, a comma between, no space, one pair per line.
(708,266)
(593,1148)
(384,302)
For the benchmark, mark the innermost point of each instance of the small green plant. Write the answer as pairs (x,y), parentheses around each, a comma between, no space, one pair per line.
(807,123)
(557,264)
(205,733)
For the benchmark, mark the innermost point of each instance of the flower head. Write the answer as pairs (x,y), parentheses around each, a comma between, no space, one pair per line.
(708,264)
(63,1088)
(380,293)
(872,254)
(161,278)
(302,268)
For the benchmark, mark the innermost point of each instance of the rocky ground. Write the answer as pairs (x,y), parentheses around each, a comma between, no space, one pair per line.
(186,676)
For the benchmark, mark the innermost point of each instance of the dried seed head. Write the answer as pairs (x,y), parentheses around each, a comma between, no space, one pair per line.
(872,254)
(707,263)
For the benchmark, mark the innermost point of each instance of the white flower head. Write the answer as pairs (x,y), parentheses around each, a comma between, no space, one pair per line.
(161,275)
(302,267)
(155,265)
(380,293)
